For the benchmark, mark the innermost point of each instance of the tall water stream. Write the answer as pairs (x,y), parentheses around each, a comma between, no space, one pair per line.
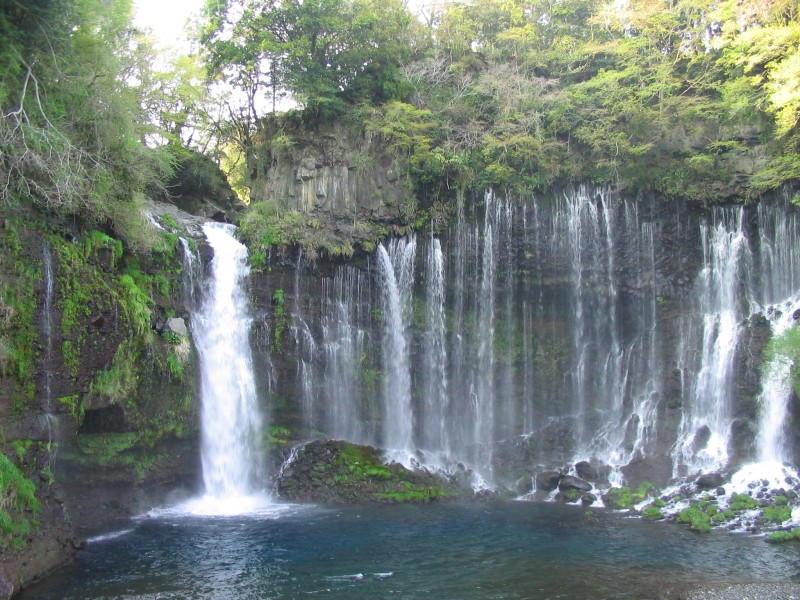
(231,421)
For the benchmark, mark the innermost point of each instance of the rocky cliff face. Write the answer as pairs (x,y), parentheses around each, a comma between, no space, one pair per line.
(329,172)
(98,410)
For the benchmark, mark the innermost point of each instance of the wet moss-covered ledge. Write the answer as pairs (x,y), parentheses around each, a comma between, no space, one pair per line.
(338,472)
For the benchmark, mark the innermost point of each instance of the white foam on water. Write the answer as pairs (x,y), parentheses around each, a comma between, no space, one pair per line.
(258,505)
(773,475)
(108,536)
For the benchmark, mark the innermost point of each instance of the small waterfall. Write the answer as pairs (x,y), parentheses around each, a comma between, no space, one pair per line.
(396,265)
(343,342)
(483,391)
(779,296)
(434,416)
(721,298)
(232,455)
(189,275)
(775,392)
(51,420)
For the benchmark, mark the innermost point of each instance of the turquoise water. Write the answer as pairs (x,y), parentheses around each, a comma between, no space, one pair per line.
(481,550)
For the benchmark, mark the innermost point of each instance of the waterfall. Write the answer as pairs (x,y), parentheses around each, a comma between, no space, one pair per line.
(343,340)
(721,300)
(778,297)
(483,388)
(579,327)
(188,277)
(396,265)
(435,434)
(614,363)
(51,420)
(232,456)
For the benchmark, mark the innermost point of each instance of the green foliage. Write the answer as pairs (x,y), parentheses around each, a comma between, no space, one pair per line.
(786,348)
(17,497)
(72,129)
(279,320)
(697,518)
(95,241)
(739,502)
(18,306)
(279,436)
(264,229)
(625,497)
(640,96)
(778,537)
(776,514)
(327,53)
(652,512)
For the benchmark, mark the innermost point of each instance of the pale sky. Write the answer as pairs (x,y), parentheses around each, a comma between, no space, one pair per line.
(167,19)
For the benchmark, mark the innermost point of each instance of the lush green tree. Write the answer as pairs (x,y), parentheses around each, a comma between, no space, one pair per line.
(73,125)
(324,52)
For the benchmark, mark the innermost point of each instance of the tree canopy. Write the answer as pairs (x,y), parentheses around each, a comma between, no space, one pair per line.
(688,97)
(73,125)
(324,52)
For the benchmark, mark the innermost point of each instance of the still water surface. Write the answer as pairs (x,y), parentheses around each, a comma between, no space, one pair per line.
(444,551)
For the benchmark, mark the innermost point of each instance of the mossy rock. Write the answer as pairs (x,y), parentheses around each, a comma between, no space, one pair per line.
(332,471)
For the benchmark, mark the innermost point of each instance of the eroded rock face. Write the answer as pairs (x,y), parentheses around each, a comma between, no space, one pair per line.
(330,172)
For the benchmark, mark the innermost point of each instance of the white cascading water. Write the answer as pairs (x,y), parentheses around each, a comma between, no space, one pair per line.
(614,369)
(50,419)
(435,438)
(397,270)
(722,302)
(231,422)
(779,295)
(483,386)
(343,348)
(549,320)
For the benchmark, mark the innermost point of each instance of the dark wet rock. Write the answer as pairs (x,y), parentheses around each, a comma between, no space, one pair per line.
(547,481)
(709,481)
(548,446)
(701,437)
(653,469)
(569,482)
(592,471)
(524,485)
(588,498)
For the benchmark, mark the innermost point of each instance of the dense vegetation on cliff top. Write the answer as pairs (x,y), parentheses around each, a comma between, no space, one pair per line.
(696,98)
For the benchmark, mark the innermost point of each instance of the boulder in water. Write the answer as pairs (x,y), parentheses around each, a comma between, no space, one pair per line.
(569,482)
(709,481)
(547,481)
(592,471)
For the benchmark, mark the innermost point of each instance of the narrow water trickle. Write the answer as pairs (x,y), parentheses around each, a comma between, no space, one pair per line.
(50,419)
(232,454)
